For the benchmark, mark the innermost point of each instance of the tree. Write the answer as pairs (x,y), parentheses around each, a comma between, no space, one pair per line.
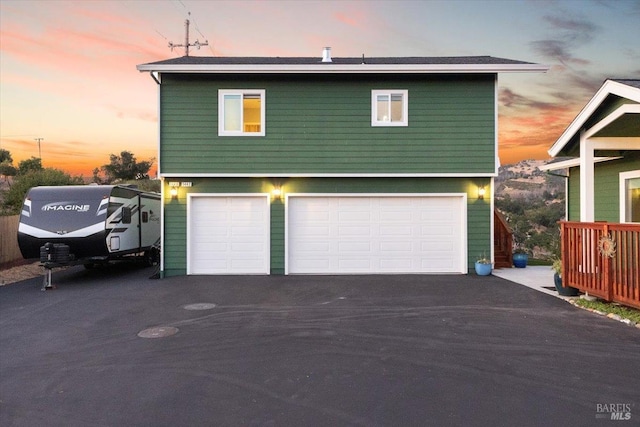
(125,167)
(6,165)
(30,165)
(7,170)
(5,156)
(14,197)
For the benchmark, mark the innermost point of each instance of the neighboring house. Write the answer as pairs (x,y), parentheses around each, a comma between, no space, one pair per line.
(327,165)
(604,178)
(601,237)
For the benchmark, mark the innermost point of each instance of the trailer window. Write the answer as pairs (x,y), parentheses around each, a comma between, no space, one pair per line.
(145,216)
(126,215)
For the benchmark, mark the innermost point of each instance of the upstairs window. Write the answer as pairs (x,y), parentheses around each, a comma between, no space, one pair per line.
(241,112)
(389,108)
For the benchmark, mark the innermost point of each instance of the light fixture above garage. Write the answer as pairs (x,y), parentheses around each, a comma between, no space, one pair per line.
(481,192)
(276,193)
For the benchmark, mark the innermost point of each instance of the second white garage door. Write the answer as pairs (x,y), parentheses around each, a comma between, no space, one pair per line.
(381,234)
(228,234)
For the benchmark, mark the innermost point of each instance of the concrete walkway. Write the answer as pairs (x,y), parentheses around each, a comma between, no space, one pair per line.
(538,277)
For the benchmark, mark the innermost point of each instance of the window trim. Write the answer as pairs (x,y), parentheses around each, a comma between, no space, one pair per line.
(390,92)
(242,92)
(624,177)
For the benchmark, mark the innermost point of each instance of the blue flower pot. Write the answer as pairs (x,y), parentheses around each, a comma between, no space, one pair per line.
(483,269)
(520,260)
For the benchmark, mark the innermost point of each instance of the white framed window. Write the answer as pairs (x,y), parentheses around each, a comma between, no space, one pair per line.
(390,107)
(630,196)
(241,112)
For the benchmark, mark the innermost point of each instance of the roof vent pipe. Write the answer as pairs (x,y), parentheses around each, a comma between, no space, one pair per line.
(326,54)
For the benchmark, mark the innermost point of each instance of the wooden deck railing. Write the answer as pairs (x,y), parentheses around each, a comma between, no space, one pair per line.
(612,275)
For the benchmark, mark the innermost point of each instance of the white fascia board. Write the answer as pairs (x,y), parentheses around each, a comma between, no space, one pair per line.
(345,68)
(610,87)
(327,175)
(572,163)
(612,117)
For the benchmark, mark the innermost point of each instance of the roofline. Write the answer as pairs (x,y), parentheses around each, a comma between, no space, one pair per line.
(168,175)
(323,68)
(571,163)
(609,87)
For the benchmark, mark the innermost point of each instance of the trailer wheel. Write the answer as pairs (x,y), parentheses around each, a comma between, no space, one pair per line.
(151,257)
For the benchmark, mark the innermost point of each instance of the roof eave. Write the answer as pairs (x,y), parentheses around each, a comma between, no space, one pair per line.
(571,163)
(609,87)
(343,69)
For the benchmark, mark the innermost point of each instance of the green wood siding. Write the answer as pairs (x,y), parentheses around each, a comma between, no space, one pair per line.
(607,188)
(175,262)
(573,195)
(322,124)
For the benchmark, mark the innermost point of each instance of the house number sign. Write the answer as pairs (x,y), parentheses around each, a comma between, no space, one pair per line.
(607,246)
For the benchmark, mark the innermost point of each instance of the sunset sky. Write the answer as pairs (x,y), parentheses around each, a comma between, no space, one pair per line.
(68,68)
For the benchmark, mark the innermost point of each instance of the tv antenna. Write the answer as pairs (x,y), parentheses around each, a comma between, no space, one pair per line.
(186,44)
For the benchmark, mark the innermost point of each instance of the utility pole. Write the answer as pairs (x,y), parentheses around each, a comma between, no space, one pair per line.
(39,151)
(186,40)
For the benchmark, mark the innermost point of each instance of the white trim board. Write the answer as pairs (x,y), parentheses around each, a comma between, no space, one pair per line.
(333,68)
(325,175)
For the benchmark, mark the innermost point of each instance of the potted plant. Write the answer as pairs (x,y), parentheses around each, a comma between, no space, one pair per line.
(483,265)
(520,259)
(565,291)
(520,256)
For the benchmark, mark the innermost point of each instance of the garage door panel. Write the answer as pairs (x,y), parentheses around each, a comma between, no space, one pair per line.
(376,234)
(250,247)
(395,216)
(228,235)
(447,247)
(314,247)
(314,265)
(396,230)
(396,265)
(241,231)
(355,265)
(396,247)
(357,247)
(351,231)
(313,230)
(354,216)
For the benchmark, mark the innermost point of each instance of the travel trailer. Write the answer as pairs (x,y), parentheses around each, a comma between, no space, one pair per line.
(89,224)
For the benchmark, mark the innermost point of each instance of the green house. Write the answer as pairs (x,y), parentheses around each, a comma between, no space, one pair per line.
(604,141)
(324,165)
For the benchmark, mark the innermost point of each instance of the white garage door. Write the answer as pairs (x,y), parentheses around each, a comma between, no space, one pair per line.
(382,234)
(228,235)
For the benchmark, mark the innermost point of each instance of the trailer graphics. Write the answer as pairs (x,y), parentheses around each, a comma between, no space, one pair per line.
(96,222)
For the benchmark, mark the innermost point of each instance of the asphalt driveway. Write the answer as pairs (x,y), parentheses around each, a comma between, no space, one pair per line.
(112,347)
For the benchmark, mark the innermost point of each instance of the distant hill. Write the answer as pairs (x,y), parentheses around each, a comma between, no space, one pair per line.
(533,202)
(524,179)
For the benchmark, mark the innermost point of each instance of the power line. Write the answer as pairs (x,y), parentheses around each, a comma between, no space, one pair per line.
(39,151)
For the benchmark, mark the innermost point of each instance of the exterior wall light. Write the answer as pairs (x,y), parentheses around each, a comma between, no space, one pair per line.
(276,193)
(481,191)
(173,190)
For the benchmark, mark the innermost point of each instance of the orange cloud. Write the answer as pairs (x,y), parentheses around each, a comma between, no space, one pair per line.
(351,18)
